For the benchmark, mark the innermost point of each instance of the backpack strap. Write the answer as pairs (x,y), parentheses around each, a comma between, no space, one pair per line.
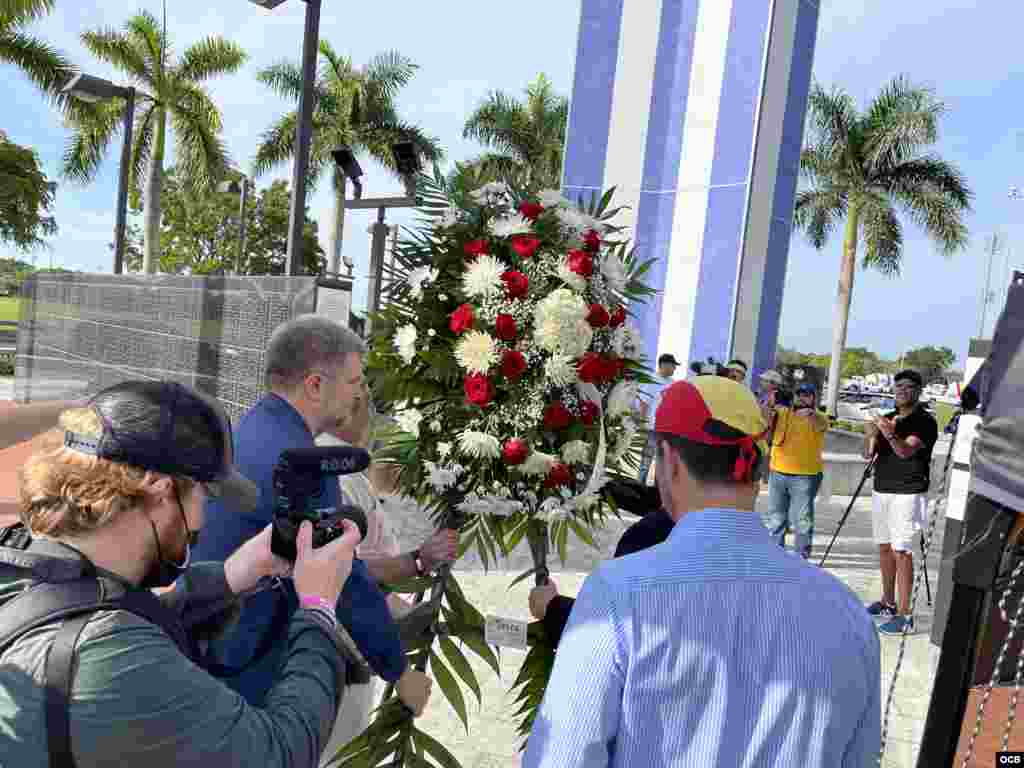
(59,674)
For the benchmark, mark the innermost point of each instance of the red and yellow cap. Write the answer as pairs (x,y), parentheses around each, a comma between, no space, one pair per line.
(689,409)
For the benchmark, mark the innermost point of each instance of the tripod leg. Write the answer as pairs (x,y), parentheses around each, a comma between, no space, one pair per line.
(924,565)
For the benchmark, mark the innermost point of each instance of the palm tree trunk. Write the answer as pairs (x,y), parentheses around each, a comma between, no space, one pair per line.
(154,183)
(846,273)
(337,228)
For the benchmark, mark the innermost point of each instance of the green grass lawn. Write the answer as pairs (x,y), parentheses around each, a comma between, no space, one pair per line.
(9,308)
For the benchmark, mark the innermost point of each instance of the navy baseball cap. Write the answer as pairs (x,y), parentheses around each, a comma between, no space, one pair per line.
(152,425)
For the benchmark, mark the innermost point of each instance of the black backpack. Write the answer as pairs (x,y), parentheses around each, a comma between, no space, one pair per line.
(68,591)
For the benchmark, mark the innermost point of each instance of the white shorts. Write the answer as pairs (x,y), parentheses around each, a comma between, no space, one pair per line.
(896,517)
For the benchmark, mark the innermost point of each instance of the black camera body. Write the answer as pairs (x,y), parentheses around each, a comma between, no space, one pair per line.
(298,493)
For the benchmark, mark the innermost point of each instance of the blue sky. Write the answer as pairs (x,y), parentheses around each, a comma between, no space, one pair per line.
(465,48)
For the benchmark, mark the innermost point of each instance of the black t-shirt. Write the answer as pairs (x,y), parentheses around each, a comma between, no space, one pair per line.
(896,475)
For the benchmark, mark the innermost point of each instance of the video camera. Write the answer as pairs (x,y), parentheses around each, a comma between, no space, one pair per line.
(298,489)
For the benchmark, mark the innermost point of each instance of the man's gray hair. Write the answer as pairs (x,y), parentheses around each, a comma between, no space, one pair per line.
(307,343)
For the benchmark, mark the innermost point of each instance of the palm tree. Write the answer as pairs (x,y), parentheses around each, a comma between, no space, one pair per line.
(351,107)
(866,167)
(170,95)
(44,65)
(526,139)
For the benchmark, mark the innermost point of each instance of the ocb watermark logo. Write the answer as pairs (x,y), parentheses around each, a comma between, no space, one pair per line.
(1009,758)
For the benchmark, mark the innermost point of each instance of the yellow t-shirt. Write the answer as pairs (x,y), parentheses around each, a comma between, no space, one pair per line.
(797,445)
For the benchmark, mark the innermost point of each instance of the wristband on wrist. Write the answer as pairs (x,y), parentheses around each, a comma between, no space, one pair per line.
(315,601)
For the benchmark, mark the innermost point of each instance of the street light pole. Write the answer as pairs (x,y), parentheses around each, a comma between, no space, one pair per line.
(122,182)
(92,90)
(303,136)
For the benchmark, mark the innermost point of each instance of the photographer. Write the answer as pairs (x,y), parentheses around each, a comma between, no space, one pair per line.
(112,503)
(798,442)
(315,373)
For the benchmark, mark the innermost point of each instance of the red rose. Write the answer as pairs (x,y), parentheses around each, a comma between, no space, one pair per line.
(591,241)
(505,327)
(531,211)
(559,474)
(525,245)
(513,364)
(591,368)
(581,262)
(557,416)
(618,317)
(461,319)
(516,284)
(613,367)
(479,389)
(475,248)
(589,412)
(597,316)
(515,451)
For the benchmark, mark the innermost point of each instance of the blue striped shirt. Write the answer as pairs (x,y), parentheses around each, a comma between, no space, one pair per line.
(714,648)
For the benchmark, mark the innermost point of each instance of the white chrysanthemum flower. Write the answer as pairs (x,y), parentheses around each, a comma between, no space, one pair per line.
(435,425)
(418,277)
(442,297)
(483,277)
(575,281)
(574,221)
(575,452)
(560,370)
(490,194)
(627,341)
(614,272)
(560,324)
(439,478)
(449,218)
(513,224)
(537,463)
(476,352)
(405,342)
(443,449)
(409,421)
(551,198)
(621,399)
(479,445)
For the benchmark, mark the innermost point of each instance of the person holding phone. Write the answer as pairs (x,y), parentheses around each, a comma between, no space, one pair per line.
(901,442)
(798,441)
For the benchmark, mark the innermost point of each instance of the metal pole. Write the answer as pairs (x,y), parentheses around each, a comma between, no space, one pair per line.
(377,248)
(303,131)
(122,183)
(241,226)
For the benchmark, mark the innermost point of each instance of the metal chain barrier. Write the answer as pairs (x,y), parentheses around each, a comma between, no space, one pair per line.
(939,504)
(1012,711)
(1017,571)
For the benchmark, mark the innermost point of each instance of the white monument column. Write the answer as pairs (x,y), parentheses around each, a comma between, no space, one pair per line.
(694,110)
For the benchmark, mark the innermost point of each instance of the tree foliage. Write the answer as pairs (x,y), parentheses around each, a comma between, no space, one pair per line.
(351,107)
(200,233)
(930,362)
(872,169)
(171,96)
(26,197)
(526,139)
(45,66)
